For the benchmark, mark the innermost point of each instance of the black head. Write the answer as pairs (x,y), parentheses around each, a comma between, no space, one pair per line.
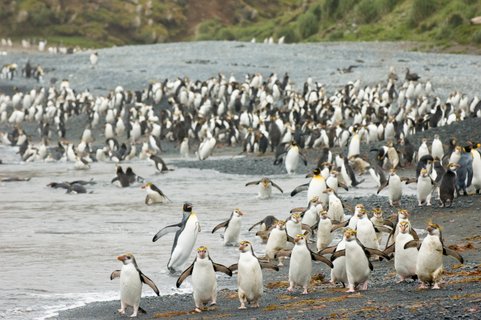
(187,207)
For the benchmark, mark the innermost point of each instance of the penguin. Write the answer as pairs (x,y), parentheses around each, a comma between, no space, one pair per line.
(336,209)
(348,174)
(293,157)
(204,282)
(314,188)
(429,264)
(352,222)
(404,259)
(276,242)
(366,231)
(186,233)
(338,271)
(437,149)
(293,227)
(154,194)
(250,286)
(402,215)
(94,57)
(131,279)
(423,149)
(424,188)
(232,228)
(354,148)
(310,216)
(358,266)
(206,148)
(447,185)
(265,187)
(133,178)
(159,163)
(300,266)
(121,178)
(377,174)
(395,188)
(265,224)
(425,162)
(324,231)
(184,148)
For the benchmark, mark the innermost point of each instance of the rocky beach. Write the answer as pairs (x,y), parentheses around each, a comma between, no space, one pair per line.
(134,67)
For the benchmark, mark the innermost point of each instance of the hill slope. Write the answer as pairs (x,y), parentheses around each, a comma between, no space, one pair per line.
(93,23)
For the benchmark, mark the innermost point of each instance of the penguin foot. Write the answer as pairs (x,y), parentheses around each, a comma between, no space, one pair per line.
(198,310)
(422,286)
(351,291)
(256,305)
(436,286)
(305,291)
(121,311)
(290,289)
(364,286)
(242,307)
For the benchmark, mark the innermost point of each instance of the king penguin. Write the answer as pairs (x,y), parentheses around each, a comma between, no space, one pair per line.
(186,233)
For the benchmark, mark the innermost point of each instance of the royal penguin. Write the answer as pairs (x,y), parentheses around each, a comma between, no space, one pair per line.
(358,266)
(154,194)
(250,284)
(335,207)
(232,228)
(293,157)
(276,242)
(429,264)
(300,265)
(204,282)
(314,188)
(395,188)
(324,231)
(404,259)
(424,188)
(265,187)
(186,233)
(131,279)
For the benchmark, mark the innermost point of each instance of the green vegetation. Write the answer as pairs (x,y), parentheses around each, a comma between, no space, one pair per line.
(93,23)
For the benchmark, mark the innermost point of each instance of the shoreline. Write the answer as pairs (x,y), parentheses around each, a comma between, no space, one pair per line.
(459,295)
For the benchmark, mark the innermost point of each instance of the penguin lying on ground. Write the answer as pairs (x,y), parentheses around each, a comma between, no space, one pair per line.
(204,282)
(131,279)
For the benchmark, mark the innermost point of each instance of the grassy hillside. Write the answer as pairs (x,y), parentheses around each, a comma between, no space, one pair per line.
(94,23)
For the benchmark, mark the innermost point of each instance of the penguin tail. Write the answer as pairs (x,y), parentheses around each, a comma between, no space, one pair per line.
(142,310)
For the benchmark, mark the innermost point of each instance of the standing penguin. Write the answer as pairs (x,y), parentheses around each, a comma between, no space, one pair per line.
(204,282)
(265,187)
(447,186)
(276,242)
(424,188)
(232,228)
(395,188)
(358,266)
(429,265)
(404,259)
(250,283)
(314,188)
(131,279)
(293,157)
(300,266)
(186,233)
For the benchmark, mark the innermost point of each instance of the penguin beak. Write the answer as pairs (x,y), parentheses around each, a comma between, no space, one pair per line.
(122,258)
(240,213)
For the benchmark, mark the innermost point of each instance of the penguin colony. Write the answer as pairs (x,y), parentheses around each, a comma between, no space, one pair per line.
(269,115)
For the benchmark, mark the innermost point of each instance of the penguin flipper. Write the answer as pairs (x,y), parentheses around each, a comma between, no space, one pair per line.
(340,225)
(328,250)
(255,224)
(252,183)
(300,188)
(276,186)
(114,179)
(268,265)
(413,244)
(221,268)
(384,185)
(383,229)
(264,235)
(166,230)
(338,254)
(414,234)
(149,282)
(234,267)
(290,239)
(298,210)
(388,223)
(342,185)
(221,225)
(452,253)
(371,251)
(321,258)
(187,272)
(115,274)
(390,250)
